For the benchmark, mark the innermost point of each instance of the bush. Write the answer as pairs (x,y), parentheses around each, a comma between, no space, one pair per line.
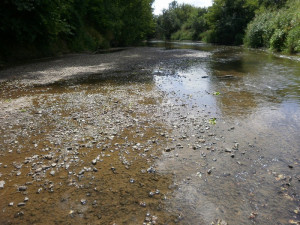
(293,40)
(277,40)
(276,29)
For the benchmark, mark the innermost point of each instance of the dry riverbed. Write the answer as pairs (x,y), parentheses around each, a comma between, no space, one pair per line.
(95,139)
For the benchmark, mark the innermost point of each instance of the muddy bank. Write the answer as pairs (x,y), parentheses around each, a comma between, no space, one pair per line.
(150,136)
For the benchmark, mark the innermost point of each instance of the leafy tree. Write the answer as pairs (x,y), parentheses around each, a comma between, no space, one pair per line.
(228,19)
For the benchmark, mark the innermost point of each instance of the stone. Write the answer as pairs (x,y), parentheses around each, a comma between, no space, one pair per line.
(22,188)
(83,201)
(151,194)
(228,150)
(19,214)
(94,162)
(21,204)
(52,173)
(2,183)
(49,157)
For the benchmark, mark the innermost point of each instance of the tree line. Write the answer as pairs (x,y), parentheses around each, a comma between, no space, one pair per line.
(273,24)
(35,28)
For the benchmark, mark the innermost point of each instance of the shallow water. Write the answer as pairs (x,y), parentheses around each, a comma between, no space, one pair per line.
(255,98)
(220,126)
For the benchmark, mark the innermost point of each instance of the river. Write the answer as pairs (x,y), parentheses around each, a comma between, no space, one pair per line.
(172,133)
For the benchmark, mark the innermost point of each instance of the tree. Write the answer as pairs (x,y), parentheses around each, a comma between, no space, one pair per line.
(228,19)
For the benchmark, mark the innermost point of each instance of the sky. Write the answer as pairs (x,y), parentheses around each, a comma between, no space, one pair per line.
(159,5)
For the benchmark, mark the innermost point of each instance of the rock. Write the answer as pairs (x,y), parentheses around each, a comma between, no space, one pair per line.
(132,180)
(49,157)
(202,140)
(2,183)
(228,150)
(21,204)
(83,201)
(209,171)
(52,173)
(151,194)
(151,170)
(11,204)
(291,166)
(94,162)
(22,188)
(236,146)
(26,199)
(143,204)
(19,214)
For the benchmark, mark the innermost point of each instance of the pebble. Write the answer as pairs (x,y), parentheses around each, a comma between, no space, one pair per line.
(49,157)
(11,204)
(151,194)
(83,201)
(94,162)
(143,204)
(52,173)
(132,180)
(228,150)
(236,146)
(2,183)
(19,214)
(21,204)
(26,199)
(22,188)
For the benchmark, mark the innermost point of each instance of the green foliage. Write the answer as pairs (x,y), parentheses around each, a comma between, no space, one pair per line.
(228,19)
(181,22)
(277,29)
(293,40)
(47,26)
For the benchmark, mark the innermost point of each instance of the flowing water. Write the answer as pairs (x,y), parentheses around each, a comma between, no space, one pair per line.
(211,139)
(255,98)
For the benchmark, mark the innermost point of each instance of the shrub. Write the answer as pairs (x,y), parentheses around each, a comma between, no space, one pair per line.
(277,29)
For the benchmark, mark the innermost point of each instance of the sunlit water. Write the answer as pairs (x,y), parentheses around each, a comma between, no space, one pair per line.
(258,95)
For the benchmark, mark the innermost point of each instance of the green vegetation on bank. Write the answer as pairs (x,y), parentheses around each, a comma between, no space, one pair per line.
(36,28)
(273,24)
(276,28)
